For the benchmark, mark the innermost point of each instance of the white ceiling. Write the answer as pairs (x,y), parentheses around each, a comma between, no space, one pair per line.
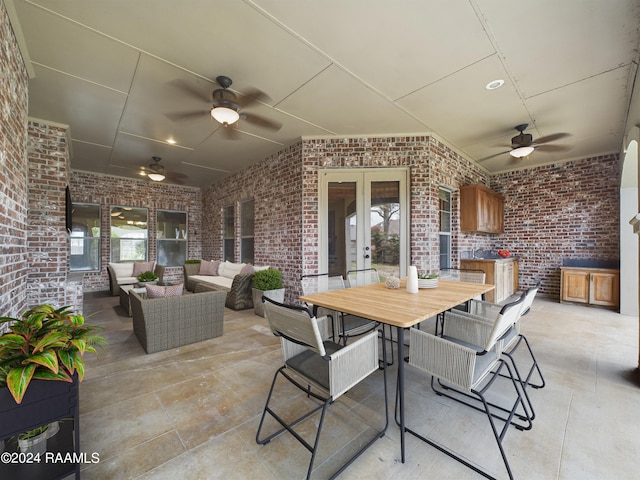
(117,71)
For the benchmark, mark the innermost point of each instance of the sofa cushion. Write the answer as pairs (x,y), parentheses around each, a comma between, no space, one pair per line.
(229,269)
(257,268)
(141,267)
(247,269)
(219,281)
(122,269)
(208,267)
(160,291)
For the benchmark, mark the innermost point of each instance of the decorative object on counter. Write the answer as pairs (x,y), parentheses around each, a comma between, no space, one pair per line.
(428,280)
(412,279)
(392,282)
(504,253)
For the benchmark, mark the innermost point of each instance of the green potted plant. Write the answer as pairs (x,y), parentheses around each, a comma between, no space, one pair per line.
(268,283)
(46,344)
(147,277)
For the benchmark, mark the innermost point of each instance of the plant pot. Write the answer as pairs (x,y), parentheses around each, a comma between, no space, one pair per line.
(277,295)
(35,445)
(150,282)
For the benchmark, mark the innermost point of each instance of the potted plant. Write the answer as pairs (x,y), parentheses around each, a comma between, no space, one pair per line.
(268,283)
(47,344)
(147,277)
(428,280)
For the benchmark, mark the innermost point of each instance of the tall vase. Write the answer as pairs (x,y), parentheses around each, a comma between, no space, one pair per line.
(412,279)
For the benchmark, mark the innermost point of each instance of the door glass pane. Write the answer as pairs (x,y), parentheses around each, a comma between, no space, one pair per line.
(385,228)
(229,234)
(342,225)
(246,231)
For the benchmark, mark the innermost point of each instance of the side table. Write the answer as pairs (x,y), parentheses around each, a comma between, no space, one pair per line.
(125,302)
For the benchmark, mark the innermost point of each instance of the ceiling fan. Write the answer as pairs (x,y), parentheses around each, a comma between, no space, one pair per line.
(227,105)
(522,145)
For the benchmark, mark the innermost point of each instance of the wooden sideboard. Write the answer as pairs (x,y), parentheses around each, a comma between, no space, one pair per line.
(590,286)
(503,273)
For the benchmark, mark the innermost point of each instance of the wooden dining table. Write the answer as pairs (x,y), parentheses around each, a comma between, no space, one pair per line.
(398,308)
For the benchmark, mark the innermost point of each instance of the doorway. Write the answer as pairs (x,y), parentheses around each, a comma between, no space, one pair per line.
(363,216)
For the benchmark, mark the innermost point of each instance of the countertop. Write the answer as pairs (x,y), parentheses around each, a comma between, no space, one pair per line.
(493,259)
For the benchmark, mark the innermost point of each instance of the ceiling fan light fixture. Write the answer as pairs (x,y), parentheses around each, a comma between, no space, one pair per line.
(521,151)
(225,115)
(156,177)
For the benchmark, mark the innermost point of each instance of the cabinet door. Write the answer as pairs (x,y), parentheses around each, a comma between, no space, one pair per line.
(575,286)
(604,289)
(508,279)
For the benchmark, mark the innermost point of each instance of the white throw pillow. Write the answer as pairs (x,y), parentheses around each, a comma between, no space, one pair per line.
(231,269)
(122,269)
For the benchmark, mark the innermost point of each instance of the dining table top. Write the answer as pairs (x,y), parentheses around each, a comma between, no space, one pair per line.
(398,307)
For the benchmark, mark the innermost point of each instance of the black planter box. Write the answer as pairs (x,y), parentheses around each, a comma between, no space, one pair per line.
(44,402)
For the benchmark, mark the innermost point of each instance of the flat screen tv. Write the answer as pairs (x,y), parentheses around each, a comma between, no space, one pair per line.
(68,209)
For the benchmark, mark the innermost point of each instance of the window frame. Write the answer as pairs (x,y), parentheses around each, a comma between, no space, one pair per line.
(165,244)
(245,235)
(91,243)
(445,235)
(144,239)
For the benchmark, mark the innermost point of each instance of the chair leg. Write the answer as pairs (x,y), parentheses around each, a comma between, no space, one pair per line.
(498,435)
(323,407)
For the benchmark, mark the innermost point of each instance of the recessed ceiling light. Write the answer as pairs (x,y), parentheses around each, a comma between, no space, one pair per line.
(171,141)
(492,85)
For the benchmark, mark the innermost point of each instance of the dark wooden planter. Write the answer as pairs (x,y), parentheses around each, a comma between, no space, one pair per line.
(44,402)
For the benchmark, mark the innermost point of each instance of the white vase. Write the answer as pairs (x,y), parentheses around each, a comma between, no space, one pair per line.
(412,279)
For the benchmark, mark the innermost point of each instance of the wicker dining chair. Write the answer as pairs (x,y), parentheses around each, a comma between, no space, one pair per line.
(348,326)
(323,370)
(470,361)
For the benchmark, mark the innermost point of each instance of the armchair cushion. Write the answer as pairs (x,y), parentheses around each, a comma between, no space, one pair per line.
(209,267)
(141,267)
(160,291)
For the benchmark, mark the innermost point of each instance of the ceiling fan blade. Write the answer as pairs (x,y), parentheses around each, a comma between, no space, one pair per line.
(259,121)
(553,148)
(186,116)
(492,156)
(551,138)
(252,96)
(190,90)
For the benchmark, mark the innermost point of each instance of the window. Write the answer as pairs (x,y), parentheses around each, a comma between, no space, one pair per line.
(85,238)
(445,228)
(246,231)
(171,233)
(229,231)
(129,234)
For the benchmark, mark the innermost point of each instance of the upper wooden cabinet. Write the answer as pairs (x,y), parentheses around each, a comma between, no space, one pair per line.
(481,210)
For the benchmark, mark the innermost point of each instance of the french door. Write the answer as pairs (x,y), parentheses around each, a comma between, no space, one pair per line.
(363,215)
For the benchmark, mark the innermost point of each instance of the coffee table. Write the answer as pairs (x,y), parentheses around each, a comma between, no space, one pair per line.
(125,302)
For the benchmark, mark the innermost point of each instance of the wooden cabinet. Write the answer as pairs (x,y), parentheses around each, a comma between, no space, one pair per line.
(481,210)
(501,273)
(591,286)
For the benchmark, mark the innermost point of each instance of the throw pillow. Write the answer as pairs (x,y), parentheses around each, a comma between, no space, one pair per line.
(209,268)
(247,269)
(160,291)
(141,267)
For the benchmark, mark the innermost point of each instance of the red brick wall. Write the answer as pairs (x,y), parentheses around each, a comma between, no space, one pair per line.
(48,240)
(275,184)
(13,173)
(108,191)
(564,210)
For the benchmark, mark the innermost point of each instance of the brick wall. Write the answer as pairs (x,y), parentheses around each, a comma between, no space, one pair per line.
(13,173)
(275,184)
(48,240)
(558,211)
(108,191)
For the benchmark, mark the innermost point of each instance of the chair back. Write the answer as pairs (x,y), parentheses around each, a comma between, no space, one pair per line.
(295,324)
(321,282)
(506,318)
(529,295)
(463,275)
(366,276)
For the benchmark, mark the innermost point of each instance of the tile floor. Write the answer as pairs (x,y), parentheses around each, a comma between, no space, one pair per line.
(193,412)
